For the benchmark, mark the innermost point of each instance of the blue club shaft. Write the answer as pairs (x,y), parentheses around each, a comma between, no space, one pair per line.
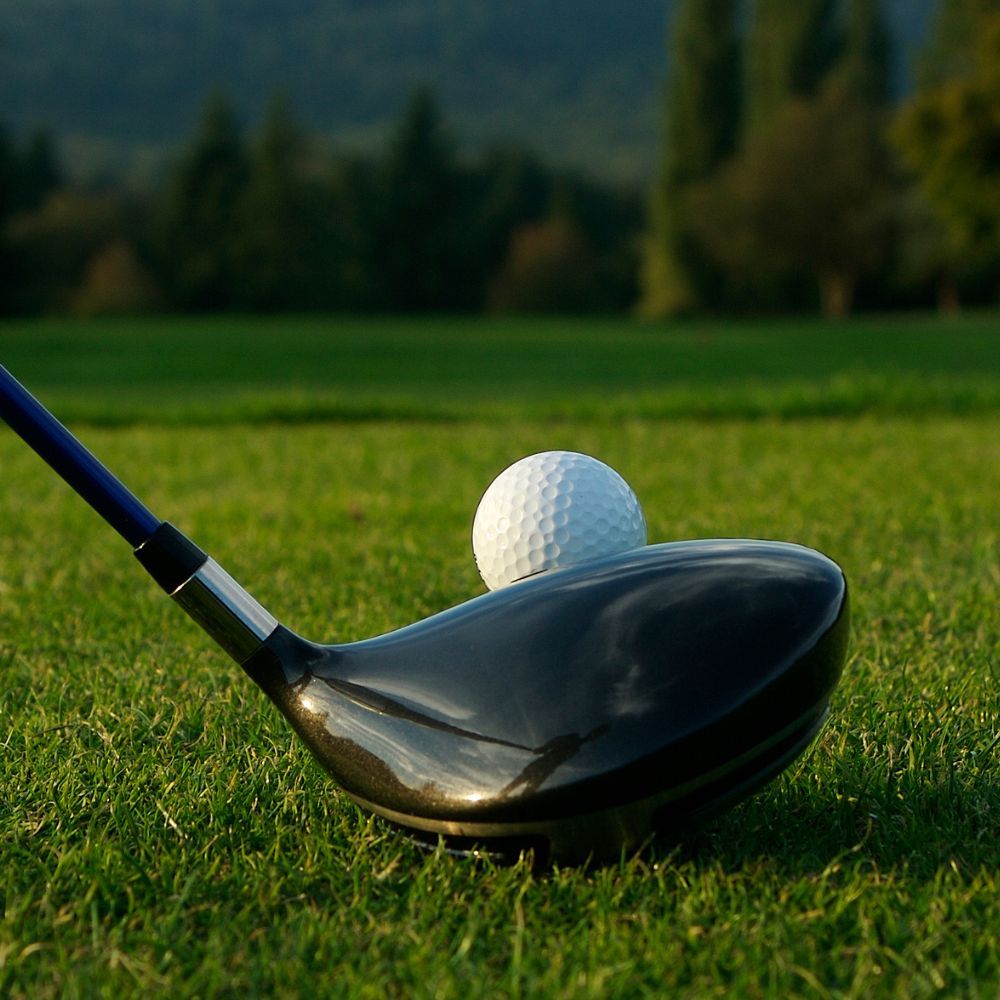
(74,463)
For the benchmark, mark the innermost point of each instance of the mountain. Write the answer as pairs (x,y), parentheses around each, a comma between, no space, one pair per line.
(120,82)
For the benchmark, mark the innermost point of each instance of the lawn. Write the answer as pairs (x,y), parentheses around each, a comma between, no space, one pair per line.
(163,833)
(312,368)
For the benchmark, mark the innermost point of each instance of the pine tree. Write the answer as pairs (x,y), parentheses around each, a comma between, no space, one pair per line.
(792,46)
(198,229)
(274,252)
(700,132)
(39,171)
(416,246)
(28,175)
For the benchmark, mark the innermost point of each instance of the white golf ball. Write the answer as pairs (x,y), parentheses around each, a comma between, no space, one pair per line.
(552,510)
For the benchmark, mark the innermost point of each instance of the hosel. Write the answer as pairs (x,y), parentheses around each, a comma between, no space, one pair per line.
(234,619)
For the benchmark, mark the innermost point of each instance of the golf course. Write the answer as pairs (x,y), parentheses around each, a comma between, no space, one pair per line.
(163,832)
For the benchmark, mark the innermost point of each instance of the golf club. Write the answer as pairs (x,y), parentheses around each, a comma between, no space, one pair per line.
(576,713)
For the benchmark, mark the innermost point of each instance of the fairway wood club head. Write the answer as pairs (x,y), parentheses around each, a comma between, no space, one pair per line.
(577,713)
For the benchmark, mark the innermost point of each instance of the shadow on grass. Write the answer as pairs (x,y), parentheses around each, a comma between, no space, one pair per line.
(912,824)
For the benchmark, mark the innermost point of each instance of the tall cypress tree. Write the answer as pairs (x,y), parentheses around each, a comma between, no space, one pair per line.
(792,46)
(700,132)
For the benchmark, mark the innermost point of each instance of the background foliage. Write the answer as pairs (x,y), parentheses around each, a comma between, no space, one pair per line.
(789,181)
(819,199)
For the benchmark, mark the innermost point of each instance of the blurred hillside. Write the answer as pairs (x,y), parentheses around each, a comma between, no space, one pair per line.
(121,82)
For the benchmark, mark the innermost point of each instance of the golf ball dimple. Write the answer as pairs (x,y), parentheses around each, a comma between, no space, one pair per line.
(551,510)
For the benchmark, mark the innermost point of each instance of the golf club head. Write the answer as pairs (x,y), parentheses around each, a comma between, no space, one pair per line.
(581,711)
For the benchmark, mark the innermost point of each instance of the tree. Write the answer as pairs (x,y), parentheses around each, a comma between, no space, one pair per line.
(8,176)
(39,172)
(792,46)
(810,194)
(274,252)
(700,132)
(951,50)
(416,247)
(949,134)
(864,63)
(51,247)
(199,220)
(347,211)
(27,176)
(8,263)
(549,268)
(862,72)
(116,283)
(510,188)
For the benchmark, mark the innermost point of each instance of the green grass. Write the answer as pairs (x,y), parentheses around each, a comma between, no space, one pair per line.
(162,832)
(260,370)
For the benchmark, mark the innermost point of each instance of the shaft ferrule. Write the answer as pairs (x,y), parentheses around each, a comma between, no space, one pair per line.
(234,619)
(237,622)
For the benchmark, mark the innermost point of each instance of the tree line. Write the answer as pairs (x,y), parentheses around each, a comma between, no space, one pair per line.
(787,182)
(272,222)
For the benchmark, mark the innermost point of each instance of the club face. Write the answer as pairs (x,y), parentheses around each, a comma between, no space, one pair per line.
(582,710)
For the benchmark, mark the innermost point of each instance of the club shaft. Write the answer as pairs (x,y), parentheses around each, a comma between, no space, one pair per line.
(74,463)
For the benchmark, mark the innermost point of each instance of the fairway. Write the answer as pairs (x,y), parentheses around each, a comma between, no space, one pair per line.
(162,832)
(254,369)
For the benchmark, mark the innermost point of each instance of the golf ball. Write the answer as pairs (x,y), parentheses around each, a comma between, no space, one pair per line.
(552,510)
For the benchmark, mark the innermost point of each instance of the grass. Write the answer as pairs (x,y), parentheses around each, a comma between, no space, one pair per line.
(162,833)
(318,368)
